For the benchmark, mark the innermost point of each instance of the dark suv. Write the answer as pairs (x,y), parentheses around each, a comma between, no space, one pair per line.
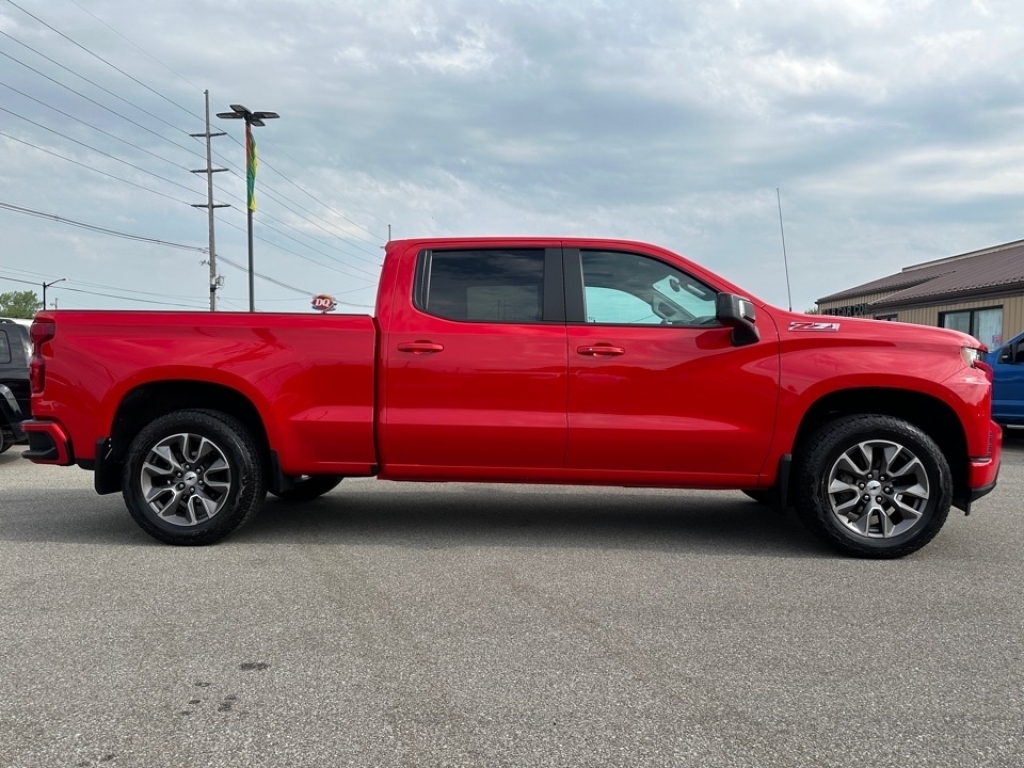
(15,353)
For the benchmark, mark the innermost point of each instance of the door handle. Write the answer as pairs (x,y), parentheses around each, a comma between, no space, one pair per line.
(601,350)
(420,347)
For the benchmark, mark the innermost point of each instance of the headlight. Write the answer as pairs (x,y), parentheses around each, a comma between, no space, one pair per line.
(970,356)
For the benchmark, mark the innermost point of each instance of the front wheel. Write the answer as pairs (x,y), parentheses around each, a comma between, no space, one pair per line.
(192,477)
(873,486)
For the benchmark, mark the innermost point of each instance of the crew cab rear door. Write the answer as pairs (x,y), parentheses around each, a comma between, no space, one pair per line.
(475,364)
(657,388)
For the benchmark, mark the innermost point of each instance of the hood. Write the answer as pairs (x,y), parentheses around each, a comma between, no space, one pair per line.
(846,328)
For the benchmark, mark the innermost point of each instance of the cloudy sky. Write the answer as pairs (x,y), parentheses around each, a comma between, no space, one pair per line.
(893,129)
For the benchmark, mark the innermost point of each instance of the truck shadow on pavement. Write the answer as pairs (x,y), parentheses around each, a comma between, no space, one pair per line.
(475,516)
(432,517)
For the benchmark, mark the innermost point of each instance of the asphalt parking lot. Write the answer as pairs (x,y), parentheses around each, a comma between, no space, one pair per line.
(461,625)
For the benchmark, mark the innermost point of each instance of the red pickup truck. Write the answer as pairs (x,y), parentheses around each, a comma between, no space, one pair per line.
(535,360)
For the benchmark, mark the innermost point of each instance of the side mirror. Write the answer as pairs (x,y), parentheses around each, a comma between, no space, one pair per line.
(1005,354)
(737,313)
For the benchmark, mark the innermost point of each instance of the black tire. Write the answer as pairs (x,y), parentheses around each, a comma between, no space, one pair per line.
(873,486)
(5,441)
(309,488)
(221,485)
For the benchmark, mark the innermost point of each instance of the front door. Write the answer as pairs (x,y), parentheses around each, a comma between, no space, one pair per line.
(656,387)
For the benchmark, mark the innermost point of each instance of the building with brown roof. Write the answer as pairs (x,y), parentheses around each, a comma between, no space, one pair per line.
(980,293)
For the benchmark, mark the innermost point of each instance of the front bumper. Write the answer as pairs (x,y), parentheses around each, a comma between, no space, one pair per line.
(983,473)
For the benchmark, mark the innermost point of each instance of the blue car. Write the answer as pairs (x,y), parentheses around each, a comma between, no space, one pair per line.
(1008,382)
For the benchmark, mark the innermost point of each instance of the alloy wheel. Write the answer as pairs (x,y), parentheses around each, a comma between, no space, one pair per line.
(878,489)
(185,479)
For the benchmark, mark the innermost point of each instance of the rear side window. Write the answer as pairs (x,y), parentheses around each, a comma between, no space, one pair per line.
(5,348)
(494,286)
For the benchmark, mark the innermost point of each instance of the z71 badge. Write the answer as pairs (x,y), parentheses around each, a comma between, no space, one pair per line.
(823,327)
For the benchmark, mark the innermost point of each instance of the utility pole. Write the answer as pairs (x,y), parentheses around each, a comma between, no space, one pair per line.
(209,170)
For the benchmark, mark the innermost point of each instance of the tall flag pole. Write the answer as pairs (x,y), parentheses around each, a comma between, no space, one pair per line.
(238,112)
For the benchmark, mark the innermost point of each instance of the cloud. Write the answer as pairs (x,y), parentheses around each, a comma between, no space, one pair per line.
(889,126)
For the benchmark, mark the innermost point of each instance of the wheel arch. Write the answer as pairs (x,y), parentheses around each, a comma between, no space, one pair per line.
(929,414)
(207,480)
(149,401)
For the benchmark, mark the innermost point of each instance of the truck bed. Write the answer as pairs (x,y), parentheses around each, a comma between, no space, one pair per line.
(312,376)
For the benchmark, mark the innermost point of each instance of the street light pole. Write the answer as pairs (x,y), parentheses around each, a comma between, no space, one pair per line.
(251,118)
(47,285)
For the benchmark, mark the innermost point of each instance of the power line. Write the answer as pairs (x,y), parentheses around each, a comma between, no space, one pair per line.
(112,66)
(162,295)
(230,263)
(296,253)
(115,233)
(283,199)
(93,101)
(98,151)
(201,305)
(95,170)
(97,293)
(264,214)
(298,164)
(274,195)
(137,47)
(285,202)
(375,242)
(263,162)
(270,192)
(95,128)
(279,283)
(267,165)
(175,200)
(97,228)
(143,170)
(17,280)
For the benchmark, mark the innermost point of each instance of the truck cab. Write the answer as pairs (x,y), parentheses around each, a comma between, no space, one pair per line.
(1008,382)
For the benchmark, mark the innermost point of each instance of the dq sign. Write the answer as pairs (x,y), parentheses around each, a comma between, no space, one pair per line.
(324,303)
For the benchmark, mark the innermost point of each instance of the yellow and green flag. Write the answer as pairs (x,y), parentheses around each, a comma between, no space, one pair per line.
(250,166)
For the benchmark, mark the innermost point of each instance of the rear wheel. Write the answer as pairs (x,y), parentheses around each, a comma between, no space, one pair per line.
(873,486)
(193,477)
(309,488)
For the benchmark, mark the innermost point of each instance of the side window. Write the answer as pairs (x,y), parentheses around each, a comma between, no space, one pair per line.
(1013,352)
(495,286)
(5,348)
(628,289)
